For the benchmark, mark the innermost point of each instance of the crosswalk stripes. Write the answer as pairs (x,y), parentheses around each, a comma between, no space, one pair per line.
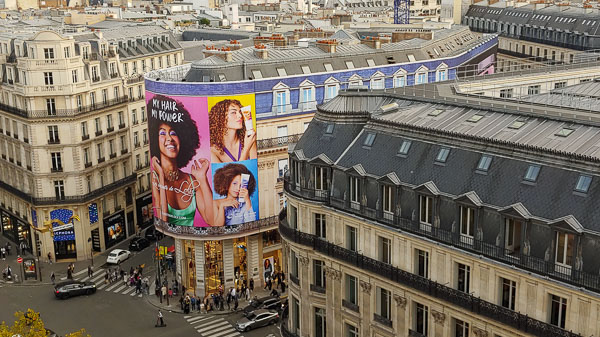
(116,287)
(212,326)
(75,274)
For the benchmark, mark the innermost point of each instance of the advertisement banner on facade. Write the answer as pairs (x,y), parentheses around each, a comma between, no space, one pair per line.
(204,166)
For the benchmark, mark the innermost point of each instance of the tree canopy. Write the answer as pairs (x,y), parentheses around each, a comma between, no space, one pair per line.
(29,324)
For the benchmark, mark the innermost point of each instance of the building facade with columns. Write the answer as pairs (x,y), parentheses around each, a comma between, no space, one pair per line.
(408,215)
(283,86)
(74,168)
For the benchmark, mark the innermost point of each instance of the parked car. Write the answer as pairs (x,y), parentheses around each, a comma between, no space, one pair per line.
(270,303)
(256,319)
(138,243)
(117,256)
(152,234)
(74,288)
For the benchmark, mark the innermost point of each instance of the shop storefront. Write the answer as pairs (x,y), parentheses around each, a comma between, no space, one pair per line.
(16,230)
(213,265)
(65,246)
(114,229)
(143,206)
(189,263)
(240,266)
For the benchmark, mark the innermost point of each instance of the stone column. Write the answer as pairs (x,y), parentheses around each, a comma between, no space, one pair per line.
(367,314)
(254,260)
(179,258)
(199,261)
(228,271)
(334,301)
(305,319)
(401,326)
(439,319)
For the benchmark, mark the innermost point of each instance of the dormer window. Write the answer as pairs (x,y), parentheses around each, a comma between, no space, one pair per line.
(369,139)
(532,173)
(329,128)
(583,183)
(442,155)
(564,132)
(475,118)
(404,147)
(484,163)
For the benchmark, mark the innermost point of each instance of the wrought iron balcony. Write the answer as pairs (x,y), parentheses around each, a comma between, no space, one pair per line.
(431,288)
(317,289)
(294,279)
(517,258)
(413,333)
(382,320)
(351,306)
(248,228)
(62,112)
(263,144)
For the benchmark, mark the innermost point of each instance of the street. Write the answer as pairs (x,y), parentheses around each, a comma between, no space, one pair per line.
(115,309)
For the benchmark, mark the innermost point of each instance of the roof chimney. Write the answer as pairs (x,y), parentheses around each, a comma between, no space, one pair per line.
(224,53)
(328,46)
(260,51)
(371,41)
(234,45)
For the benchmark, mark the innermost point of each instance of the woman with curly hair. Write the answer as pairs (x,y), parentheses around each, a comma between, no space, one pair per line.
(176,194)
(229,140)
(236,207)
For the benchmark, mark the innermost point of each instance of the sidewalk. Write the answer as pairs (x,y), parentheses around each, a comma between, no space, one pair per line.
(175,307)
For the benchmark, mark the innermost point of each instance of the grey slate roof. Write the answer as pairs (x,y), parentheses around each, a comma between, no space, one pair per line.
(551,197)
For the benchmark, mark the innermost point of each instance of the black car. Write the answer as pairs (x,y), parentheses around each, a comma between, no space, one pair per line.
(74,288)
(152,234)
(138,243)
(270,303)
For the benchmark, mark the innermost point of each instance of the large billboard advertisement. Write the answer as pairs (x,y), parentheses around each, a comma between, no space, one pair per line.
(204,166)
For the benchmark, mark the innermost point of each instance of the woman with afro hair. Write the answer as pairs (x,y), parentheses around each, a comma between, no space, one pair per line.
(227,183)
(229,140)
(176,194)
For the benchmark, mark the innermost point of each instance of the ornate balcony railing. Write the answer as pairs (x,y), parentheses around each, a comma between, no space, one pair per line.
(382,320)
(512,257)
(252,226)
(413,333)
(277,142)
(455,297)
(68,199)
(62,112)
(285,332)
(317,289)
(351,306)
(295,279)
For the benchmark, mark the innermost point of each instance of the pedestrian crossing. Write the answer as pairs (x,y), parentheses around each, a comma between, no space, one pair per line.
(212,326)
(117,287)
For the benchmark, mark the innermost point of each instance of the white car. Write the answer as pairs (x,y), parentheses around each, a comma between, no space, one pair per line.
(117,256)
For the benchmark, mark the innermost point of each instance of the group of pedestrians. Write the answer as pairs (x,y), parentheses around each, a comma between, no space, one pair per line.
(275,281)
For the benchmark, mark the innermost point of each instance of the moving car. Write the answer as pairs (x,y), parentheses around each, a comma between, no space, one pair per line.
(74,288)
(117,256)
(138,243)
(270,303)
(257,318)
(152,234)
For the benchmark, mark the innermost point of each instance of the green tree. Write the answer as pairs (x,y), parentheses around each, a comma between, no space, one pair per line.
(204,21)
(29,324)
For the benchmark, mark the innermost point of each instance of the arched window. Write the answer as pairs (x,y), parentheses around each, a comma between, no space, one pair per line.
(281,98)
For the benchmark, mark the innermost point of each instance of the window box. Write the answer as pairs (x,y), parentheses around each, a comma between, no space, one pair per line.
(100,160)
(123,151)
(113,155)
(317,289)
(98,133)
(26,140)
(85,137)
(56,169)
(350,306)
(53,141)
(382,320)
(111,129)
(121,126)
(86,165)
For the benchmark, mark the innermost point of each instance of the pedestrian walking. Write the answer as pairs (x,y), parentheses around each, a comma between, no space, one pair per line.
(247,294)
(235,304)
(52,277)
(8,248)
(49,258)
(251,284)
(90,272)
(3,253)
(160,322)
(193,302)
(164,291)
(282,286)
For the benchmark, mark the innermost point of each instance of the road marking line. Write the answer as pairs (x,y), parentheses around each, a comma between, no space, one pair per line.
(75,274)
(102,286)
(120,288)
(111,287)
(140,295)
(191,320)
(213,326)
(84,279)
(233,334)
(128,290)
(187,316)
(223,332)
(97,278)
(199,326)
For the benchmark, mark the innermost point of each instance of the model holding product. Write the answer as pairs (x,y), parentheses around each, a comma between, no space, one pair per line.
(176,194)
(232,134)
(237,184)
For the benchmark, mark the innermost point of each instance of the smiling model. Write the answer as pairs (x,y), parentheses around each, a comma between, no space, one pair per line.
(229,140)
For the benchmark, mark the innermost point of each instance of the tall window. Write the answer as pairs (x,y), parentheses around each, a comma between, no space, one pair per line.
(100,151)
(48,53)
(461,328)
(56,161)
(320,322)
(509,293)
(134,116)
(441,75)
(385,249)
(136,140)
(426,214)
(331,91)
(321,183)
(378,83)
(422,263)
(294,264)
(51,106)
(111,147)
(463,281)
(53,134)
(387,198)
(319,273)
(351,238)
(384,305)
(351,289)
(355,192)
(558,311)
(320,225)
(351,331)
(564,249)
(92,98)
(86,155)
(399,81)
(421,78)
(512,236)
(98,125)
(295,313)
(95,74)
(307,94)
(74,76)
(104,96)
(59,189)
(467,224)
(281,98)
(296,172)
(421,318)
(109,121)
(121,119)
